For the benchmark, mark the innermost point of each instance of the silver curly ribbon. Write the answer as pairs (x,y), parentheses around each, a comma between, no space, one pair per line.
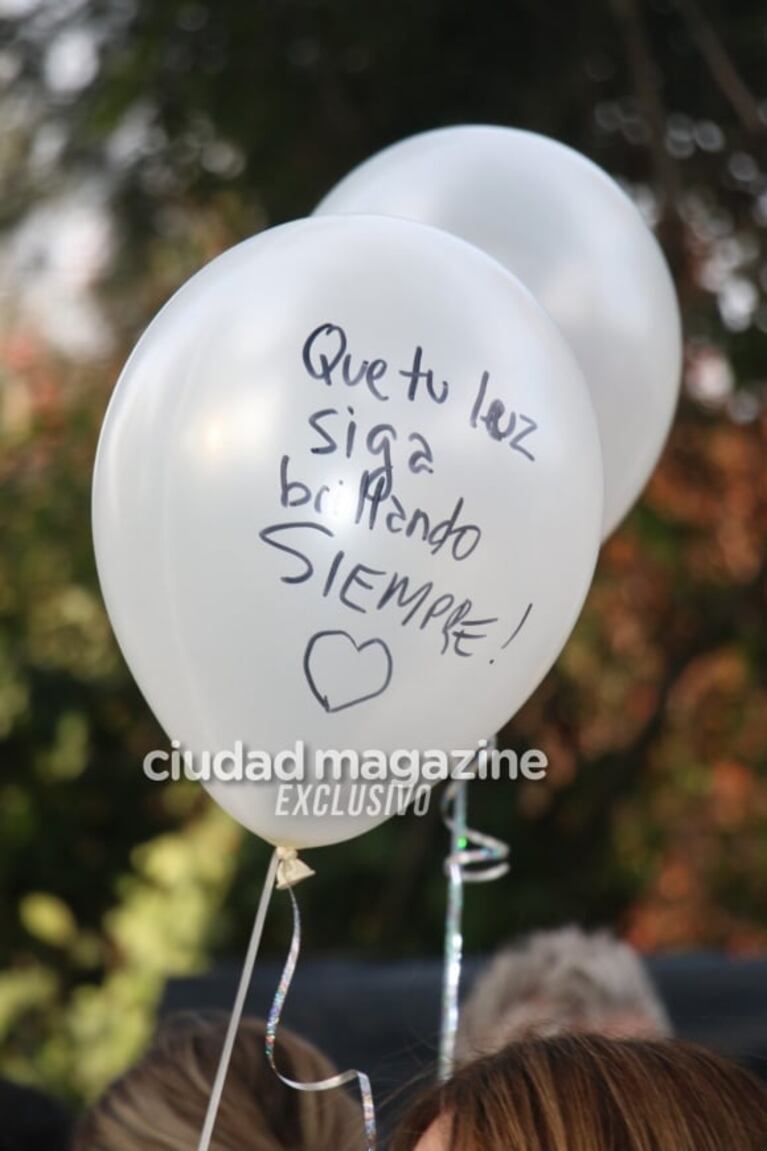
(285,871)
(474,858)
(343,1077)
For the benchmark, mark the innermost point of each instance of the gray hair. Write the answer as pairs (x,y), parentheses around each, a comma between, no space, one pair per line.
(560,981)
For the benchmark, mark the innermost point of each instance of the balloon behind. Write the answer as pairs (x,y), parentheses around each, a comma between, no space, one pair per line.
(570,234)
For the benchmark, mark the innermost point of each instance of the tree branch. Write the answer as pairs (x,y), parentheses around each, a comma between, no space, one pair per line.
(722,67)
(645,78)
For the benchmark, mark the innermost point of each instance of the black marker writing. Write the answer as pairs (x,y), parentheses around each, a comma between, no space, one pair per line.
(416,374)
(326,358)
(365,589)
(493,416)
(269,536)
(519,627)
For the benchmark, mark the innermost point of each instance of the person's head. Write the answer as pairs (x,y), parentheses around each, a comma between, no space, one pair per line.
(560,981)
(160,1104)
(590,1093)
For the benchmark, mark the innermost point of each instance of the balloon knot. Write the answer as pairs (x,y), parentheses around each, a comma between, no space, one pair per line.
(290,869)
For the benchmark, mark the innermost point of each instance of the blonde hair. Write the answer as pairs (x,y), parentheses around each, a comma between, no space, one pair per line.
(590,1093)
(160,1104)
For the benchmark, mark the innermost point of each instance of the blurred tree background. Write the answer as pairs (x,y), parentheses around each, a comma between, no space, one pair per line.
(138,139)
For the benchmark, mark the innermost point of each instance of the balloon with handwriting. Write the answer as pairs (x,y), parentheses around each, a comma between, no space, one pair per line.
(347,496)
(577,242)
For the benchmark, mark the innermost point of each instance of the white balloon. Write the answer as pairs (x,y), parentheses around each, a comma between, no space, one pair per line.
(571,235)
(260,589)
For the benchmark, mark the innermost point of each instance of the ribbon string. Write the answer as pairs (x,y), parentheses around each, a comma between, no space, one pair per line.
(474,857)
(239,1003)
(343,1077)
(285,871)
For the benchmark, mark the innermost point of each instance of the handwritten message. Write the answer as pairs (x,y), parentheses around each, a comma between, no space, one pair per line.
(342,670)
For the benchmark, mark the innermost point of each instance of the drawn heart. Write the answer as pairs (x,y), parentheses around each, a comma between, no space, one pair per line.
(343,673)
